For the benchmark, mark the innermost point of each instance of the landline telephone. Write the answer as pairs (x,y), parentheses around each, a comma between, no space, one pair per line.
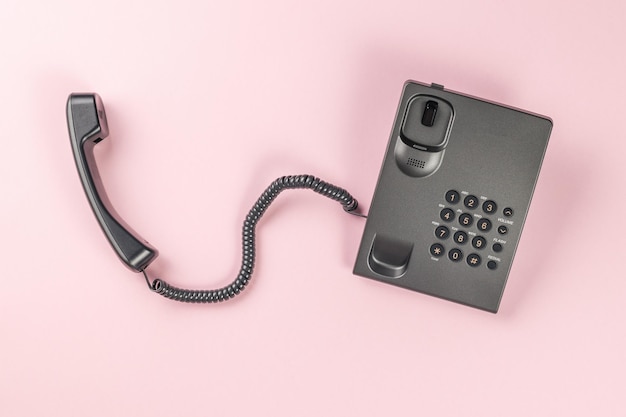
(446,216)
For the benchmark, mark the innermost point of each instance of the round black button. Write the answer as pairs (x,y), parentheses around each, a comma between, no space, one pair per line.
(471,201)
(508,212)
(447,215)
(484,225)
(452,197)
(490,206)
(497,247)
(442,232)
(479,242)
(437,250)
(503,230)
(455,255)
(466,220)
(460,237)
(473,259)
(492,265)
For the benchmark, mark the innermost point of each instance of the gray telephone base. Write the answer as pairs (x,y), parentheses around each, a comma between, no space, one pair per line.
(452,196)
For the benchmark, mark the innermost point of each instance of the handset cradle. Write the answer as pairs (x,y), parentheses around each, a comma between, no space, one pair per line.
(87,126)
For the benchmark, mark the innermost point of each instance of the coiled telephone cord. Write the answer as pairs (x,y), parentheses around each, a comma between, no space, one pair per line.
(310,182)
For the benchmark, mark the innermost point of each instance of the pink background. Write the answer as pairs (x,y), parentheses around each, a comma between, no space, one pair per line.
(210,101)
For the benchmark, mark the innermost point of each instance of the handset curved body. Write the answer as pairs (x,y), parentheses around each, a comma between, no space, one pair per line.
(86,120)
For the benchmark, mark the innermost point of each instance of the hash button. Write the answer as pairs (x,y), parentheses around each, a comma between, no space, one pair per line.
(473,260)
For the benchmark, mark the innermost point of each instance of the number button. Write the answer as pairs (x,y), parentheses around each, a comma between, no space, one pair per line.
(466,220)
(437,250)
(460,237)
(473,260)
(442,232)
(479,242)
(452,197)
(471,201)
(455,255)
(490,206)
(484,225)
(503,230)
(447,215)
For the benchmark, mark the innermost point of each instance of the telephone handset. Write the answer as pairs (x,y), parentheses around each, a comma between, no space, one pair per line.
(86,120)
(87,125)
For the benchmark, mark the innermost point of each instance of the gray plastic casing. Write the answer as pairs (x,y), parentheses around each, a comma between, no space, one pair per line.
(488,150)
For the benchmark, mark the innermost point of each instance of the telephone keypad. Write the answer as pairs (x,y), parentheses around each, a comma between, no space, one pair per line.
(478,237)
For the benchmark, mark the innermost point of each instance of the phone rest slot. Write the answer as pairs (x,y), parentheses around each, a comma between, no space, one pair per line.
(389,257)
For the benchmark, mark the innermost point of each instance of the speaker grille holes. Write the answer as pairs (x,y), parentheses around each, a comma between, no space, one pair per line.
(412,162)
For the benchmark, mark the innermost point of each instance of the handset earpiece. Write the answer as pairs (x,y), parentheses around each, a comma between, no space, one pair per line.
(86,121)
